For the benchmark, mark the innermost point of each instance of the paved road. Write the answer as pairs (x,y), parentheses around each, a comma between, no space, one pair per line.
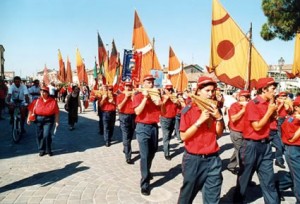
(83,170)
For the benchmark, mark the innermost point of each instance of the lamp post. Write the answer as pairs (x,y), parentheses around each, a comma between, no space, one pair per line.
(280,64)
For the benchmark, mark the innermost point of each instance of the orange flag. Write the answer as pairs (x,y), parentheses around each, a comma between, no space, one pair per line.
(112,65)
(46,79)
(176,73)
(69,76)
(62,73)
(296,64)
(231,53)
(81,73)
(141,43)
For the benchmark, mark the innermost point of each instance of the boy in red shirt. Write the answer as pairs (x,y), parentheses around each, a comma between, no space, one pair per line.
(256,151)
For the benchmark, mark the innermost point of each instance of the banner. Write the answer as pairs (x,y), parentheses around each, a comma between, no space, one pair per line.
(159,75)
(128,64)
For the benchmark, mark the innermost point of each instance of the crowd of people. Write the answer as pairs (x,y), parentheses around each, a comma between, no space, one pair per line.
(257,123)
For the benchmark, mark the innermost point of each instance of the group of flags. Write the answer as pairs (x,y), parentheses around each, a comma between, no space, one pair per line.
(137,62)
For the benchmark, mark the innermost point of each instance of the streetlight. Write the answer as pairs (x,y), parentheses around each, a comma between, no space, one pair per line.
(280,64)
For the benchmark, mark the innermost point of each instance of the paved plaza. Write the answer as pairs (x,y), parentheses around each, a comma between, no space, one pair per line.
(83,170)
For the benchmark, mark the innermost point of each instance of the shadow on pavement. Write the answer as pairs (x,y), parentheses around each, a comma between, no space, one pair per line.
(84,136)
(46,178)
(167,176)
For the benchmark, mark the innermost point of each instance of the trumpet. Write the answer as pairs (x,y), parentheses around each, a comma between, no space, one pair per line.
(204,104)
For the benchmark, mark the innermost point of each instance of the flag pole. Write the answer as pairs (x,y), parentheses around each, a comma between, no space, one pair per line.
(153,53)
(248,83)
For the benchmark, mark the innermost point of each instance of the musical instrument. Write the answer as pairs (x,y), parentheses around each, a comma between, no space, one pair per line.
(101,93)
(204,104)
(153,93)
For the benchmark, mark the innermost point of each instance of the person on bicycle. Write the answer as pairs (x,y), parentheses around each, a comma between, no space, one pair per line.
(34,90)
(18,92)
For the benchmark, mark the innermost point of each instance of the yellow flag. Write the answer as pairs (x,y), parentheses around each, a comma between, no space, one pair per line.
(296,64)
(230,52)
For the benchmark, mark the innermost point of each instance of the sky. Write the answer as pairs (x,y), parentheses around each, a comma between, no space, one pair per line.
(32,31)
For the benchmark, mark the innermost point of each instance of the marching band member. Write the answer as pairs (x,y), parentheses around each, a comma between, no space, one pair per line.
(108,109)
(256,151)
(201,164)
(147,117)
(167,119)
(127,119)
(291,138)
(236,115)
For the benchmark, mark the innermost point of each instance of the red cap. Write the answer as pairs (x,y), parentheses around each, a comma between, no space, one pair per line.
(205,80)
(45,88)
(169,86)
(149,77)
(282,93)
(296,101)
(263,82)
(244,93)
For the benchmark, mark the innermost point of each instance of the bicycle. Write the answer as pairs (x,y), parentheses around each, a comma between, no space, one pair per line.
(17,121)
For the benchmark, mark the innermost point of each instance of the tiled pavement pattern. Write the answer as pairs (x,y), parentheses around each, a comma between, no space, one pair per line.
(83,170)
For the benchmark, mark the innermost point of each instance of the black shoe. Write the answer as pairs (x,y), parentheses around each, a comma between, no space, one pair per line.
(168,158)
(234,171)
(50,154)
(150,176)
(129,161)
(279,164)
(107,144)
(251,184)
(145,191)
(41,154)
(237,197)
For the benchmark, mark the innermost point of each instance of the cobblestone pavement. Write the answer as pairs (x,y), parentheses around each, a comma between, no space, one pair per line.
(83,170)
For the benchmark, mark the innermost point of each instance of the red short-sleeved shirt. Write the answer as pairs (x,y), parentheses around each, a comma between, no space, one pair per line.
(205,139)
(255,111)
(171,109)
(44,108)
(288,129)
(238,125)
(273,124)
(107,106)
(127,108)
(151,112)
(282,112)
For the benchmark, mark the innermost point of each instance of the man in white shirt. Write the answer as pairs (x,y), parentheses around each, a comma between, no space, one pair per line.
(34,90)
(18,93)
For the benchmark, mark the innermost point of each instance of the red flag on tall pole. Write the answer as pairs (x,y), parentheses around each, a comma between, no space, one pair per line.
(69,76)
(62,72)
(113,63)
(46,79)
(102,57)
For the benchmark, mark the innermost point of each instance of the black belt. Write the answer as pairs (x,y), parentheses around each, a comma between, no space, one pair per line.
(204,155)
(265,140)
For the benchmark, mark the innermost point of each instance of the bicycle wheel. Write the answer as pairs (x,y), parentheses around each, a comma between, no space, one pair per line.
(16,130)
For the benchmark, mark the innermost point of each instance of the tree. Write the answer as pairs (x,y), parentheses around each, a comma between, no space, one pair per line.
(283,19)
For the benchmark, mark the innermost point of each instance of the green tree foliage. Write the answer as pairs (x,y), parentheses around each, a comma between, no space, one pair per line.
(283,19)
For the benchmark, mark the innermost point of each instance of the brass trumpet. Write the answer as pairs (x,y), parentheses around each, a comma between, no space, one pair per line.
(101,93)
(204,104)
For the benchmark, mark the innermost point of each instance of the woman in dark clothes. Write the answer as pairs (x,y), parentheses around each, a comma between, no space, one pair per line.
(72,104)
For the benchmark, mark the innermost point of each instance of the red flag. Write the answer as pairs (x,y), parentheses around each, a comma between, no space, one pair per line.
(102,57)
(62,73)
(69,77)
(46,79)
(136,71)
(290,75)
(113,64)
